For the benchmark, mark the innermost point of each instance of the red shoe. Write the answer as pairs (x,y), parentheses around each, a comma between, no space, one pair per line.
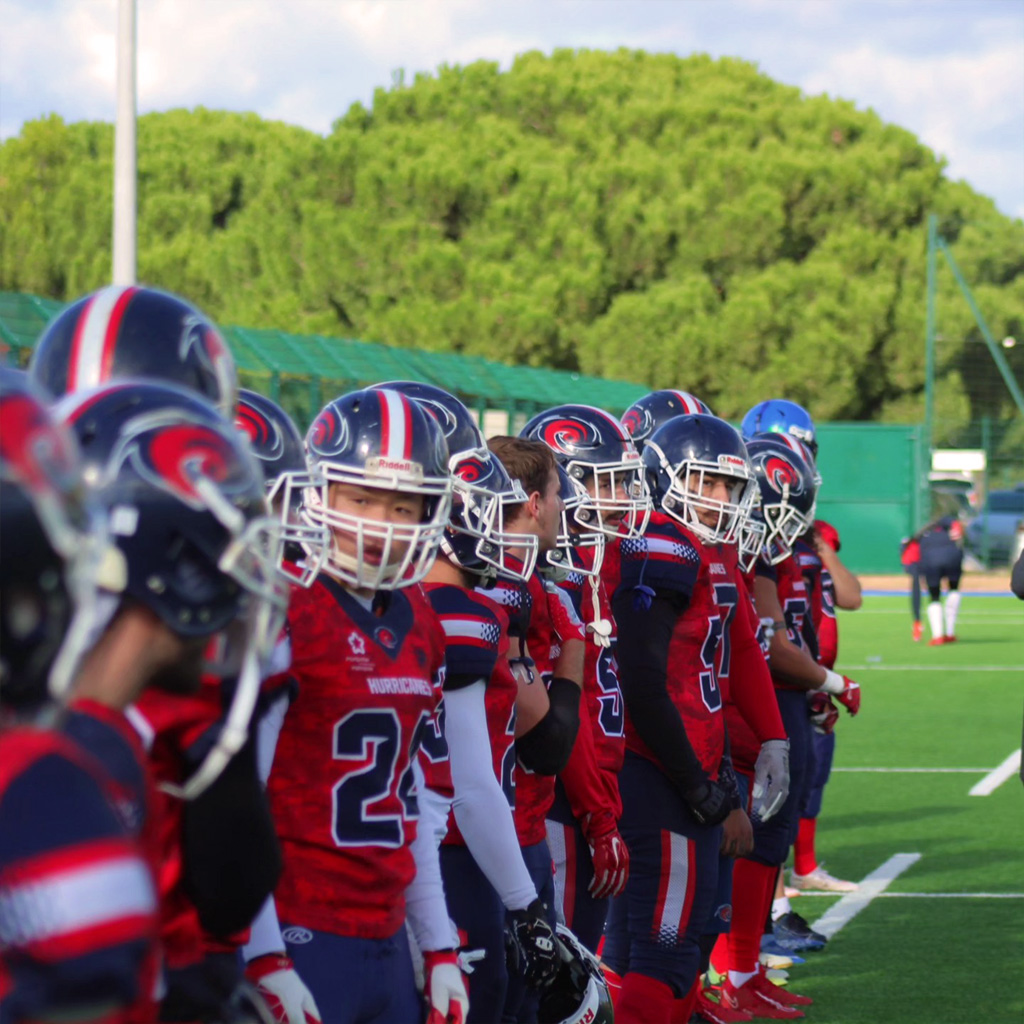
(748,998)
(718,1012)
(917,632)
(949,639)
(936,641)
(780,997)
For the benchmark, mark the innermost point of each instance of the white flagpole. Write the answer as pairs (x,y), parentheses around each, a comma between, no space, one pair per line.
(124,148)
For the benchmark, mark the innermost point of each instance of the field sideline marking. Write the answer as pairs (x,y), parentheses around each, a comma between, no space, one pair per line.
(919,771)
(882,666)
(935,895)
(841,913)
(997,776)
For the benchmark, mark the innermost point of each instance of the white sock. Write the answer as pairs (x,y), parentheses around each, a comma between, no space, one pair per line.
(952,607)
(780,906)
(739,978)
(935,619)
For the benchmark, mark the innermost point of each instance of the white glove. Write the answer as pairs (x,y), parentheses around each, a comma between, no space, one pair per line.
(771,779)
(282,989)
(445,988)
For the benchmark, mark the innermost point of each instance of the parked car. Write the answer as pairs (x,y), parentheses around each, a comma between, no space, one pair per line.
(995,529)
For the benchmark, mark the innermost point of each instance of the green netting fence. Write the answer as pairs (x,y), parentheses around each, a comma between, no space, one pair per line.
(303,372)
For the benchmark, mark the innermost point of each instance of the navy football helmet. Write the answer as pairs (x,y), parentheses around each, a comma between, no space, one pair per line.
(379,439)
(135,332)
(680,457)
(277,445)
(186,506)
(780,416)
(578,994)
(787,488)
(646,414)
(595,450)
(54,551)
(560,561)
(483,493)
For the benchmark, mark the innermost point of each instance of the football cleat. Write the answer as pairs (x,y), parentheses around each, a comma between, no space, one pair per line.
(936,641)
(776,995)
(749,999)
(792,932)
(949,638)
(821,881)
(771,948)
(779,961)
(917,632)
(712,1010)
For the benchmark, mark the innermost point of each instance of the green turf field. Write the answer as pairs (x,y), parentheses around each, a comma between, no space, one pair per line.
(926,959)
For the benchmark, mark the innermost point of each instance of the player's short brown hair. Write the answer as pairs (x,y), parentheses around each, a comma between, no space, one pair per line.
(529,462)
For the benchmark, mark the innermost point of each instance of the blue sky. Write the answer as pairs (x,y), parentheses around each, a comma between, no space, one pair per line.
(950,71)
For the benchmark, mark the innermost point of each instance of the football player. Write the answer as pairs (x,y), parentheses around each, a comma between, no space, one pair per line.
(188,512)
(941,558)
(78,912)
(677,782)
(368,662)
(590,857)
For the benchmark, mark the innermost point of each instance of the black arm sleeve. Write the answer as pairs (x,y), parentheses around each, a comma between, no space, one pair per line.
(644,637)
(545,749)
(231,857)
(1017,577)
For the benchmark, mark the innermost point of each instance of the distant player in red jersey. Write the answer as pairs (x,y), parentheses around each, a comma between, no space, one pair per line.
(77,900)
(368,662)
(677,783)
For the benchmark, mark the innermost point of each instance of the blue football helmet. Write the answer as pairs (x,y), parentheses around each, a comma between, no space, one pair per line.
(378,439)
(788,491)
(681,456)
(559,562)
(136,332)
(277,445)
(780,416)
(55,552)
(595,450)
(646,414)
(483,494)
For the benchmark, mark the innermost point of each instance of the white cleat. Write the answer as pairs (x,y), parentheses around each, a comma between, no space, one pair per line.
(820,880)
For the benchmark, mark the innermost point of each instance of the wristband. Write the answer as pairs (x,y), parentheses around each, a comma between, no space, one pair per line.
(834,683)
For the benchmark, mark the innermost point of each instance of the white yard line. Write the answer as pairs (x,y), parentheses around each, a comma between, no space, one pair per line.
(841,913)
(932,895)
(881,666)
(918,771)
(997,776)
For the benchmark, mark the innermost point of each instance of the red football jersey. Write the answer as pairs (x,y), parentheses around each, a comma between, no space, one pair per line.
(476,631)
(342,786)
(669,558)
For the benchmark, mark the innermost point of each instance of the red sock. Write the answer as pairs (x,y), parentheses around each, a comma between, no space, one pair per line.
(682,1009)
(644,1000)
(805,860)
(753,886)
(614,983)
(720,954)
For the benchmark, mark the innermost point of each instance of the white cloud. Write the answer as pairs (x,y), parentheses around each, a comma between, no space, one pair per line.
(949,71)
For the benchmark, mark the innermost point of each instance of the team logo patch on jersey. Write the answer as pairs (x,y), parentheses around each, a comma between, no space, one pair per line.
(357,643)
(385,637)
(297,936)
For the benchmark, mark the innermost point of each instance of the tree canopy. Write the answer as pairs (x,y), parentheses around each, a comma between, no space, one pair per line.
(677,222)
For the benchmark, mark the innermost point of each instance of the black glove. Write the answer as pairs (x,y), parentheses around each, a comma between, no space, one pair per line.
(709,802)
(530,945)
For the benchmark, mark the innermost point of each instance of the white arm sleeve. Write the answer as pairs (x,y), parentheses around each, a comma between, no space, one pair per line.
(265,934)
(481,810)
(425,908)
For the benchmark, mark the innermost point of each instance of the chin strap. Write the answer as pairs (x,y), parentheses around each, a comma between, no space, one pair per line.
(600,629)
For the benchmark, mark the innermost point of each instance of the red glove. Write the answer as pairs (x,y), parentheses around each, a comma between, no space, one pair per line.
(444,987)
(564,620)
(824,714)
(610,858)
(844,689)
